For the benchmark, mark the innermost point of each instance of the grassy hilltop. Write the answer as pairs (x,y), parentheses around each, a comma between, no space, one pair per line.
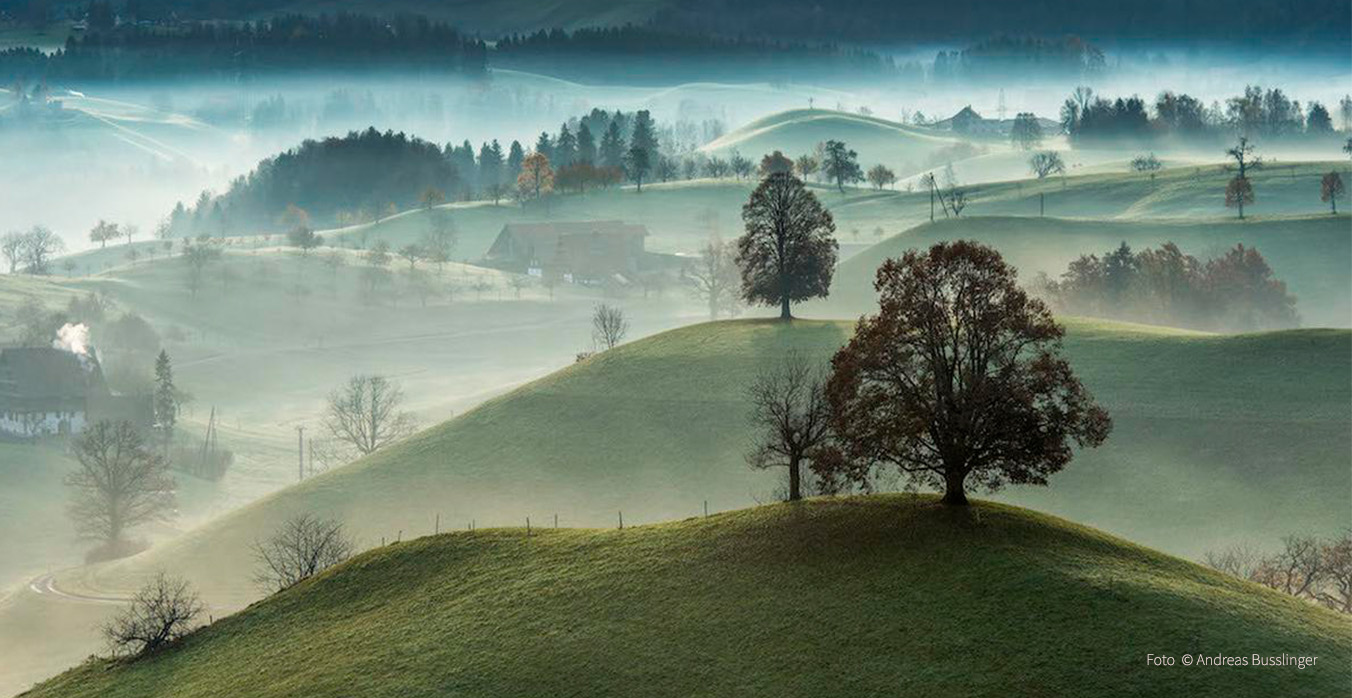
(1217,440)
(1309,253)
(885,595)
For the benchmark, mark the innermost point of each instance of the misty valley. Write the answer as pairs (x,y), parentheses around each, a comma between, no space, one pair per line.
(675,347)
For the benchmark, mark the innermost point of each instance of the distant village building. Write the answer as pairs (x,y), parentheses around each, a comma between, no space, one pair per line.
(969,122)
(46,391)
(584,252)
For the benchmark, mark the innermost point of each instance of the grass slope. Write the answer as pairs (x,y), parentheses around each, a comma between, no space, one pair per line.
(798,131)
(885,595)
(1309,253)
(1217,440)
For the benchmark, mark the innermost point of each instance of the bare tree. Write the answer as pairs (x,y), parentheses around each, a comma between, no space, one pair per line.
(790,410)
(1046,163)
(1296,569)
(40,244)
(365,413)
(120,483)
(1336,592)
(304,546)
(1238,560)
(161,611)
(609,326)
(11,246)
(714,277)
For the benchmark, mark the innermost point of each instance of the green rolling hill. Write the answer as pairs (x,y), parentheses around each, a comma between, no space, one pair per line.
(797,131)
(1217,440)
(884,595)
(1309,253)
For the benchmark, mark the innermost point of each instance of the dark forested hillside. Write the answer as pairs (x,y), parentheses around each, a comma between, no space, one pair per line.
(368,171)
(154,50)
(867,21)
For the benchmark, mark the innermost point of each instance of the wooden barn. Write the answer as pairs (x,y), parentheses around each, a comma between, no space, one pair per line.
(584,252)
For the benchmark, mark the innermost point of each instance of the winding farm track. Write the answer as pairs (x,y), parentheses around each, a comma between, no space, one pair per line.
(46,586)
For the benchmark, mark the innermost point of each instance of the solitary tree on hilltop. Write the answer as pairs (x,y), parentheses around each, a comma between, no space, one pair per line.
(790,411)
(841,164)
(958,381)
(789,250)
(1331,190)
(103,231)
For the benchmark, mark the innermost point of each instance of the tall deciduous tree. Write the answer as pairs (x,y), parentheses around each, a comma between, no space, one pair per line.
(959,380)
(789,250)
(841,164)
(536,178)
(119,484)
(365,414)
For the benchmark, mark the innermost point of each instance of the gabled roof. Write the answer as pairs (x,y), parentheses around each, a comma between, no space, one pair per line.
(46,373)
(544,241)
(551,232)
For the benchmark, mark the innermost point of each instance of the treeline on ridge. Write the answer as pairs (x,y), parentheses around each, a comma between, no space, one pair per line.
(1234,292)
(363,170)
(143,50)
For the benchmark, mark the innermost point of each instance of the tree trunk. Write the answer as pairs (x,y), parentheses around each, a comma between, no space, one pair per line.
(795,480)
(784,313)
(954,495)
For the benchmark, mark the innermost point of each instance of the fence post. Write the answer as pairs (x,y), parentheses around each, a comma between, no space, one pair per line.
(621,520)
(528,527)
(706,508)
(401,536)
(556,521)
(436,529)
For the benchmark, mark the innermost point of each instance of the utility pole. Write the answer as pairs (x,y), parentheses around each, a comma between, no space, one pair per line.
(300,453)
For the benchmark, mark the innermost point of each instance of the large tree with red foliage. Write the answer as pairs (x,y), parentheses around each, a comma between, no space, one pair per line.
(959,380)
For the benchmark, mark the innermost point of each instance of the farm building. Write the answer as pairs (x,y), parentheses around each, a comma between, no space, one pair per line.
(578,252)
(46,391)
